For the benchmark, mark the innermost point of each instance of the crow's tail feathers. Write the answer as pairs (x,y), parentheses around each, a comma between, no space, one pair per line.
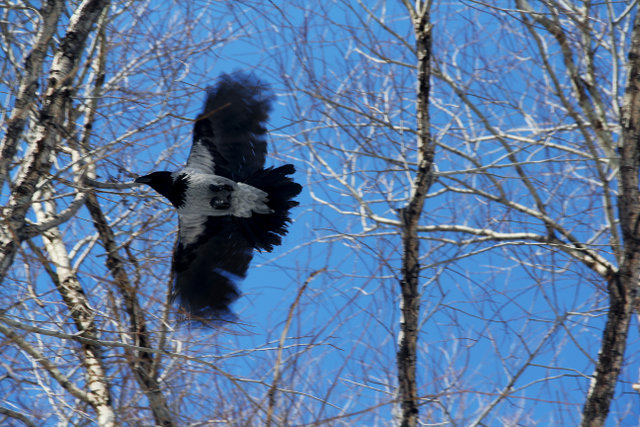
(265,231)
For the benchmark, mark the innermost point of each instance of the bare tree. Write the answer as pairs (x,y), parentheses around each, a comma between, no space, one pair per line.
(623,284)
(45,132)
(527,226)
(97,93)
(466,253)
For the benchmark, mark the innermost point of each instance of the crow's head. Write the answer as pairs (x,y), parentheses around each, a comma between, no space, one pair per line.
(171,185)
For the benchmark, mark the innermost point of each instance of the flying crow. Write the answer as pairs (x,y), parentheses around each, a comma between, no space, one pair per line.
(228,203)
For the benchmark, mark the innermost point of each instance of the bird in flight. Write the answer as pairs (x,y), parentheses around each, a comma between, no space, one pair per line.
(228,203)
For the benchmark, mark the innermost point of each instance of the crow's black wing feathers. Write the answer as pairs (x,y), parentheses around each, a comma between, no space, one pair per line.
(229,135)
(210,258)
(213,253)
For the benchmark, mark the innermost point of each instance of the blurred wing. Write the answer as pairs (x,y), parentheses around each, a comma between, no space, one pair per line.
(229,135)
(210,259)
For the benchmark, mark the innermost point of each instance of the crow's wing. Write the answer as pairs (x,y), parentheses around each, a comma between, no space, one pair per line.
(211,256)
(229,135)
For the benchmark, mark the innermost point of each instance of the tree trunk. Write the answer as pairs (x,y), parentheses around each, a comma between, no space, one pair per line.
(623,287)
(81,312)
(409,217)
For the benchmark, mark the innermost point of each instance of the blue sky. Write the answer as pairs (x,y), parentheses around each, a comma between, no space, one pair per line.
(487,306)
(483,315)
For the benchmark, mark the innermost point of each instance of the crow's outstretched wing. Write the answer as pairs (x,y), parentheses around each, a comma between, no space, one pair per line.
(211,256)
(229,135)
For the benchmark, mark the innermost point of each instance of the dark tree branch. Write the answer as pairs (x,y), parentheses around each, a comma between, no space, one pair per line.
(17,415)
(141,362)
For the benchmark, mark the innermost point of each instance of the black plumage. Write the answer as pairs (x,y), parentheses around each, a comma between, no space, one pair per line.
(228,203)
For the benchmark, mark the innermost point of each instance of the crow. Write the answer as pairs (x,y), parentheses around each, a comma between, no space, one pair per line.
(228,203)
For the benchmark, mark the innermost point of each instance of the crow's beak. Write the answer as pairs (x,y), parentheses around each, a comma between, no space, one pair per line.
(142,180)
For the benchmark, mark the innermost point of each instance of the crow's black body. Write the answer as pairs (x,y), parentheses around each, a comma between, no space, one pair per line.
(228,203)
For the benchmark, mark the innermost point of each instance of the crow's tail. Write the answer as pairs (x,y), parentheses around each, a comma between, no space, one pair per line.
(265,231)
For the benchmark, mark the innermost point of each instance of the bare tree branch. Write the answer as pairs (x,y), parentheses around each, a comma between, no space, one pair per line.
(51,369)
(25,99)
(17,415)
(46,130)
(278,365)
